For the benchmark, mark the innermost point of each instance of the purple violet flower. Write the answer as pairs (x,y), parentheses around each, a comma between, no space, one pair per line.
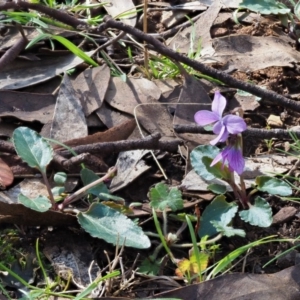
(223,126)
(233,155)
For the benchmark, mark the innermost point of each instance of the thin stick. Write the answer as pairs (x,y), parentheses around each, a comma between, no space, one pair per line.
(81,192)
(249,132)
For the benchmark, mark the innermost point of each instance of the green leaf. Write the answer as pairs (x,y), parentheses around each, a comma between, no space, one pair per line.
(74,49)
(105,196)
(217,188)
(57,190)
(259,214)
(220,170)
(32,148)
(150,267)
(87,177)
(273,186)
(182,217)
(60,178)
(297,10)
(201,158)
(108,224)
(161,197)
(265,7)
(196,160)
(219,211)
(40,204)
(228,230)
(37,39)
(228,259)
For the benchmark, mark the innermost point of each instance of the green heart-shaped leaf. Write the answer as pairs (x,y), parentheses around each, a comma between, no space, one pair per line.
(259,214)
(103,222)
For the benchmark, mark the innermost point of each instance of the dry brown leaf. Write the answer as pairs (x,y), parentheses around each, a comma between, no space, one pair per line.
(125,96)
(90,88)
(68,121)
(21,215)
(240,286)
(6,175)
(245,52)
(117,7)
(117,133)
(246,102)
(27,106)
(182,41)
(192,92)
(130,166)
(23,73)
(110,116)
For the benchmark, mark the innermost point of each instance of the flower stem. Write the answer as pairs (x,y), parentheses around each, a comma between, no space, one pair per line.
(48,189)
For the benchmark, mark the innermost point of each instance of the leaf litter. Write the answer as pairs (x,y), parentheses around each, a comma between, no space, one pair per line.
(268,61)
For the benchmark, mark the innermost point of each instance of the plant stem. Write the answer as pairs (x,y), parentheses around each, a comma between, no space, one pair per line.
(215,239)
(44,175)
(40,262)
(165,223)
(162,238)
(195,245)
(81,192)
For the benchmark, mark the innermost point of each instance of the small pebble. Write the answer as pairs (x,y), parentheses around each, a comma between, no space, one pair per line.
(284,215)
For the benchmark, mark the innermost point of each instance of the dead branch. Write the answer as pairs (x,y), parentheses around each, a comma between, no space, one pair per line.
(250,132)
(13,52)
(150,142)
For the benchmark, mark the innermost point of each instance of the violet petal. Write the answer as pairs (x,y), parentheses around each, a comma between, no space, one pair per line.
(222,137)
(236,160)
(219,157)
(218,104)
(234,124)
(205,117)
(218,126)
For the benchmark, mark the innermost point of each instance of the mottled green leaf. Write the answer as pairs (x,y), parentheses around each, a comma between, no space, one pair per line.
(201,159)
(219,211)
(32,148)
(161,197)
(40,204)
(259,214)
(60,178)
(106,223)
(265,7)
(217,188)
(273,186)
(228,230)
(87,177)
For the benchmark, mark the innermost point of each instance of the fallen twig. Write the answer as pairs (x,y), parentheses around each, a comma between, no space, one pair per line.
(14,51)
(74,161)
(222,76)
(150,142)
(250,132)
